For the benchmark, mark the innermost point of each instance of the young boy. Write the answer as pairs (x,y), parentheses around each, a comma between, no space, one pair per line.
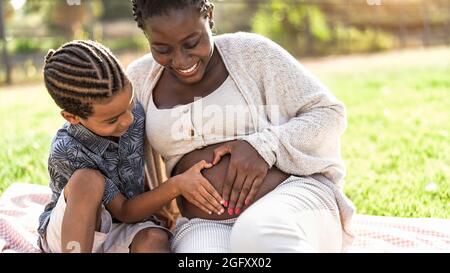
(96,164)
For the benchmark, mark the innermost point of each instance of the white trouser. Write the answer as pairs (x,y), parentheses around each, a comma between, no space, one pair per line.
(300,215)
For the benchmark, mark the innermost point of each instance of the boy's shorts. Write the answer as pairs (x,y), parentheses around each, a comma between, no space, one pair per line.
(112,238)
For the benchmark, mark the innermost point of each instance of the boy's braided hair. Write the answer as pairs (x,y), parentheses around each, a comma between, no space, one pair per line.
(144,9)
(82,72)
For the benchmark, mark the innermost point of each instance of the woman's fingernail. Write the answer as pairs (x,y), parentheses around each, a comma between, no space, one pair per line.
(247,202)
(209,212)
(237,211)
(225,203)
(221,211)
(230,211)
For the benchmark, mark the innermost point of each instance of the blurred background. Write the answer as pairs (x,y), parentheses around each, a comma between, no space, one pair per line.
(305,28)
(388,60)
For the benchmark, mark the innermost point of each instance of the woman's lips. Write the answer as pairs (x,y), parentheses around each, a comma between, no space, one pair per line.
(189,71)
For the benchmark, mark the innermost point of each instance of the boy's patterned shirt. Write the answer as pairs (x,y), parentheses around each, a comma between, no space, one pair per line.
(122,164)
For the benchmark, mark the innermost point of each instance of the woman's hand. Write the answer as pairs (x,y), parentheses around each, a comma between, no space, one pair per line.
(246,171)
(197,189)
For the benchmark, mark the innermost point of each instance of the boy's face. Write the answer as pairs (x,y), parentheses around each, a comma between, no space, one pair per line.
(110,119)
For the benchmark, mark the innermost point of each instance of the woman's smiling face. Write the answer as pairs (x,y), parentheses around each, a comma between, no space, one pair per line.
(181,41)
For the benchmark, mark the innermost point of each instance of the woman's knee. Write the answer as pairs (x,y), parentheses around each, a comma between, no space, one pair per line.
(252,232)
(85,184)
(275,230)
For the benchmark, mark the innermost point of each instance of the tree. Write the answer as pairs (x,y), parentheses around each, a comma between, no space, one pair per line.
(116,10)
(3,40)
(75,21)
(297,26)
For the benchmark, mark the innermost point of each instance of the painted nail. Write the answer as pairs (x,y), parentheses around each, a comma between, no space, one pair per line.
(230,211)
(237,211)
(221,211)
(247,202)
(225,203)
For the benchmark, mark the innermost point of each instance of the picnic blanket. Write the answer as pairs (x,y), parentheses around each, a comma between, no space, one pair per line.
(21,204)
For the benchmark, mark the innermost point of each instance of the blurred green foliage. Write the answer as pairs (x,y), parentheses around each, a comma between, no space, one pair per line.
(40,45)
(66,19)
(116,10)
(34,45)
(135,43)
(306,30)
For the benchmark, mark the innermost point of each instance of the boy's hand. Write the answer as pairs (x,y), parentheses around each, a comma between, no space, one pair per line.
(198,191)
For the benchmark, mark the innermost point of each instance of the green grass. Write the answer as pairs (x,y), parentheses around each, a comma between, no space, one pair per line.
(397,141)
(28,121)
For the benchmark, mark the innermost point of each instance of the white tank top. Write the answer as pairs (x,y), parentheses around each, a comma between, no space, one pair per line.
(220,116)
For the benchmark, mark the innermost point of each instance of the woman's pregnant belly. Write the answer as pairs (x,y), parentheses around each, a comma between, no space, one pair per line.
(216,176)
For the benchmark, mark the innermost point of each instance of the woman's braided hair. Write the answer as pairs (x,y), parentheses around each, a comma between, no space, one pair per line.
(81,72)
(144,9)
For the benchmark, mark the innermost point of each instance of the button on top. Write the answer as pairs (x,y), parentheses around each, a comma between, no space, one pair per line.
(192,132)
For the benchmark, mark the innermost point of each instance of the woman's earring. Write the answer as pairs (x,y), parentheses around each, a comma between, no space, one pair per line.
(211,25)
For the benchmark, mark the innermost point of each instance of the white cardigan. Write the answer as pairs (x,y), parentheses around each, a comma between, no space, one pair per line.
(301,138)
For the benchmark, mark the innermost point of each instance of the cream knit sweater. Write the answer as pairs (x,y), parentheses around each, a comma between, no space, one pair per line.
(298,120)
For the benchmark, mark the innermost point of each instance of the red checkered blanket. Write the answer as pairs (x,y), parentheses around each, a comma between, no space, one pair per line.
(21,204)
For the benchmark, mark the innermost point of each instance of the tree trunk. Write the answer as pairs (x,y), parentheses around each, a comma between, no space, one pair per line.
(403,31)
(4,46)
(309,36)
(447,25)
(426,24)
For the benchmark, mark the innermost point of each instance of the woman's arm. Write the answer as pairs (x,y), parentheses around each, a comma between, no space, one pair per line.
(302,138)
(299,122)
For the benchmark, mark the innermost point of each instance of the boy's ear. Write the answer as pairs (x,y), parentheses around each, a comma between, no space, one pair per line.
(73,119)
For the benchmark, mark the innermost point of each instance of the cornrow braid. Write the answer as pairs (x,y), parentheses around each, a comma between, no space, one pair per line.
(144,9)
(82,72)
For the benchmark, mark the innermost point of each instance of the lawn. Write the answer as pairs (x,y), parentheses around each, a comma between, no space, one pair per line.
(397,145)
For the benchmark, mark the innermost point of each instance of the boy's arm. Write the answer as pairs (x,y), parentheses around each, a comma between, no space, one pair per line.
(191,184)
(145,204)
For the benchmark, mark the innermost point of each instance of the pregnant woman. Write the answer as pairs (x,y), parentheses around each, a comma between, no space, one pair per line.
(269,127)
